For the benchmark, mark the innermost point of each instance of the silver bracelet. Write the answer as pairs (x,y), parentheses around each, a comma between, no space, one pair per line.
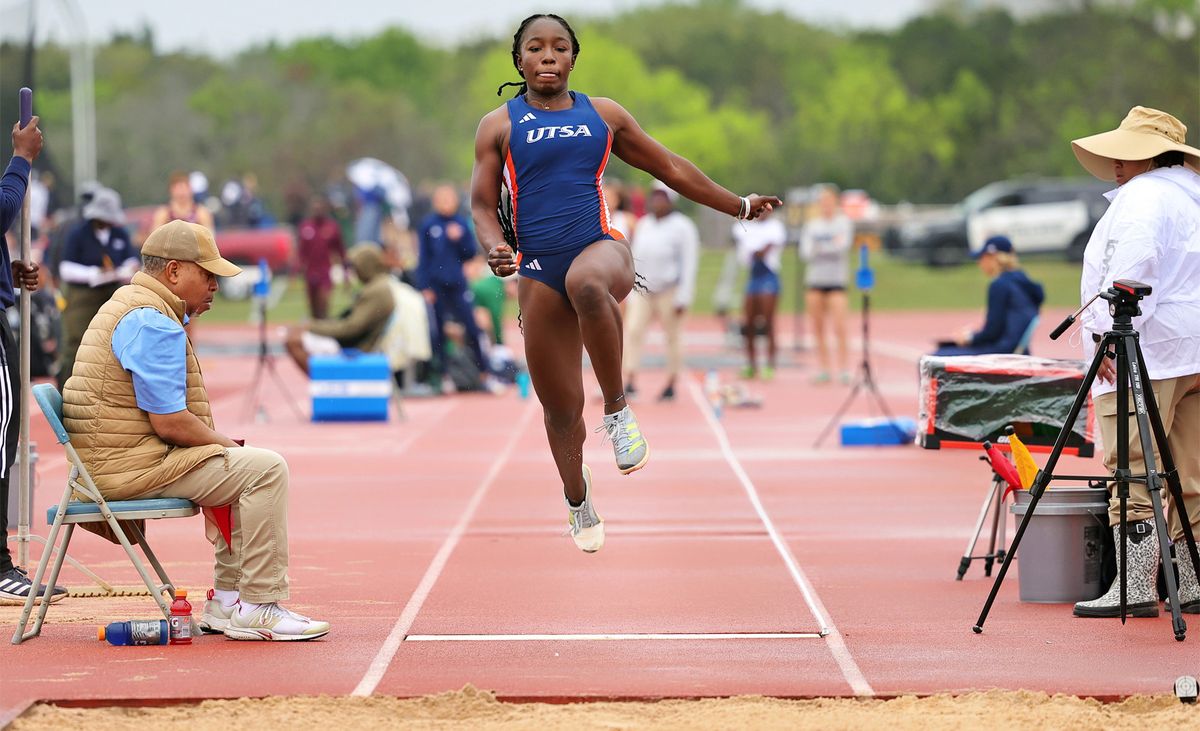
(743,208)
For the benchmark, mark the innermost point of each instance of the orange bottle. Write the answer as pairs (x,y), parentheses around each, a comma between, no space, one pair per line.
(181,619)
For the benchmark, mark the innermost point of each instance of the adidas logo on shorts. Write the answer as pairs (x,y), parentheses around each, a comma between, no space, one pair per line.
(533,264)
(528,116)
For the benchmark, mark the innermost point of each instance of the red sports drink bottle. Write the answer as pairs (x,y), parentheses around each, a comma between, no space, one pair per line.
(181,619)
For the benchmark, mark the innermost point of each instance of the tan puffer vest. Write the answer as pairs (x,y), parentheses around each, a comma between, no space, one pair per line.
(113,436)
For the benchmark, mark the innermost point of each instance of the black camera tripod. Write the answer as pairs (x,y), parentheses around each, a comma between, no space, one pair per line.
(1123,299)
(255,409)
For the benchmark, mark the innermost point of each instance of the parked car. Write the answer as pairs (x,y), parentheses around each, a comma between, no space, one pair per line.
(1048,215)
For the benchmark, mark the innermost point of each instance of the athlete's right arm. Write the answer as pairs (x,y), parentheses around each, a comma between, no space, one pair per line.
(490,139)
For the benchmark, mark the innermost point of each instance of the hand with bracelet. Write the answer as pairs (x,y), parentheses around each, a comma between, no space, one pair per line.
(752,206)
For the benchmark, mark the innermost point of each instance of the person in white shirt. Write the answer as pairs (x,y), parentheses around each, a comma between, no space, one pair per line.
(760,247)
(1150,233)
(666,252)
(825,245)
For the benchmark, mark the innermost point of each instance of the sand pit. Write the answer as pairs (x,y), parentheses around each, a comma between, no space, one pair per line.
(475,709)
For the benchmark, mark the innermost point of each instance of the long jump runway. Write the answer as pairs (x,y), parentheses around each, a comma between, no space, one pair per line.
(740,560)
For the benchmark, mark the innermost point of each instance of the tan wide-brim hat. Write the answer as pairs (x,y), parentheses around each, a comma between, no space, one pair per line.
(1143,134)
(186,241)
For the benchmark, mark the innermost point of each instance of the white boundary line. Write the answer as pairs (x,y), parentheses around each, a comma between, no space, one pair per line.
(837,646)
(391,645)
(618,637)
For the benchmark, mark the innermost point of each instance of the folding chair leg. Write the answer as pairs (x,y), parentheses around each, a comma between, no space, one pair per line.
(52,579)
(19,636)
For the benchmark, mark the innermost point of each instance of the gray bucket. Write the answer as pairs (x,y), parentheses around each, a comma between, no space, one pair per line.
(1060,553)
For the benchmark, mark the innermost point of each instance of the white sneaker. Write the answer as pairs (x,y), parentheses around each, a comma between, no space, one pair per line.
(215,617)
(587,527)
(273,622)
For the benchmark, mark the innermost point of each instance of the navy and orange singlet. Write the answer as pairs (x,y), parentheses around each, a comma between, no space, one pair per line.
(554,173)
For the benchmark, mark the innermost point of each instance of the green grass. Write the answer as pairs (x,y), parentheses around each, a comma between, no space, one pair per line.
(899,285)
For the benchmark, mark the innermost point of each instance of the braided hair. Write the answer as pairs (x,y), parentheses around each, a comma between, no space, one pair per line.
(516,48)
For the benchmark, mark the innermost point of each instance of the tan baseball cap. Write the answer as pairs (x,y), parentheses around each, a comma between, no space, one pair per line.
(186,241)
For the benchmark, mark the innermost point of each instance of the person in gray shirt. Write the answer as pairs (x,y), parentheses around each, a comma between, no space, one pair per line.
(825,244)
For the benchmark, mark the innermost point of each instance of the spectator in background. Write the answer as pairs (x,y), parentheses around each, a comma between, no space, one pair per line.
(445,244)
(825,243)
(182,205)
(320,244)
(666,253)
(363,325)
(98,258)
(69,220)
(1013,300)
(760,247)
(620,214)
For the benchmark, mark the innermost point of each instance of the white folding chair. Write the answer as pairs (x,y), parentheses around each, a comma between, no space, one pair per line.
(70,512)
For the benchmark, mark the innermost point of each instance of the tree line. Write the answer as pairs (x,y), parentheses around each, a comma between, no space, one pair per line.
(925,113)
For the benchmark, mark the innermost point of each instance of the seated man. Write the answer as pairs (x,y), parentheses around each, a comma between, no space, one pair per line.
(138,414)
(361,327)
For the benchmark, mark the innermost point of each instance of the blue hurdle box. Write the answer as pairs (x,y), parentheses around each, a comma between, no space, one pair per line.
(350,388)
(878,432)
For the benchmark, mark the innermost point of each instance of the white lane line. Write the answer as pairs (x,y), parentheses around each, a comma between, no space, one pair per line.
(387,652)
(837,645)
(619,637)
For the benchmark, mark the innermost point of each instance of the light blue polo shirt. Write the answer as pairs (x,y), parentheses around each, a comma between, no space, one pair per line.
(153,348)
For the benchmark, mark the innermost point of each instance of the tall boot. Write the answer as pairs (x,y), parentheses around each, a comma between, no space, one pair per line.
(1141,595)
(1189,586)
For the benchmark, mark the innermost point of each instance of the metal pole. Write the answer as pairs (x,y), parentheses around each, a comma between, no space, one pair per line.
(25,476)
(83,97)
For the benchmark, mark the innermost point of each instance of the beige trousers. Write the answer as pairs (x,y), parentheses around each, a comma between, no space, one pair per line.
(1179,404)
(640,309)
(255,482)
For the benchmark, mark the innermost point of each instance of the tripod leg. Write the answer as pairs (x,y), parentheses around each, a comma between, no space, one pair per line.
(1122,471)
(1044,476)
(1171,472)
(873,390)
(839,414)
(287,396)
(965,562)
(1144,402)
(997,517)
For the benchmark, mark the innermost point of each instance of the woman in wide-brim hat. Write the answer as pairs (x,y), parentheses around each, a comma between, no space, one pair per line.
(1150,233)
(1147,139)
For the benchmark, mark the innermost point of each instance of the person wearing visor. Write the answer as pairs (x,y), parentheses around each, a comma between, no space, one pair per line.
(1150,233)
(139,416)
(97,259)
(1013,301)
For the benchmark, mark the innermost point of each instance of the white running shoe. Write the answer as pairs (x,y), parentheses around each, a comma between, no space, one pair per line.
(629,446)
(273,622)
(215,617)
(587,527)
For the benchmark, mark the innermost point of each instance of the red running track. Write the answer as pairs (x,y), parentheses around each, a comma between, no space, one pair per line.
(437,547)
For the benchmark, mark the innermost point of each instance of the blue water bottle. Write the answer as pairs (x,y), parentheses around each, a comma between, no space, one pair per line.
(523,383)
(136,632)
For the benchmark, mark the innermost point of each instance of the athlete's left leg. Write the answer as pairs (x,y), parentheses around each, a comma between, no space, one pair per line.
(597,281)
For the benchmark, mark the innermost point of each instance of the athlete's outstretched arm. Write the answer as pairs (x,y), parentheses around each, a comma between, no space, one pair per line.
(485,193)
(634,146)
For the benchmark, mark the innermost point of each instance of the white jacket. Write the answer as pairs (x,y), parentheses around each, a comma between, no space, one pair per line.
(666,253)
(1151,233)
(406,339)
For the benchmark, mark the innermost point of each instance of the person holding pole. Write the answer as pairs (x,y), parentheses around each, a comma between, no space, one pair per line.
(27,143)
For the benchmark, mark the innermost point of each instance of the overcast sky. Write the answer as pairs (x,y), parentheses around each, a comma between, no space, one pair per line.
(223,27)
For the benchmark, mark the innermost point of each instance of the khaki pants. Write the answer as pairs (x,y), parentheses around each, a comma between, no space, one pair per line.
(640,309)
(255,482)
(1179,404)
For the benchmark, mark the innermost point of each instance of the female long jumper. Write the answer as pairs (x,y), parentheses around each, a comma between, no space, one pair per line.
(548,147)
